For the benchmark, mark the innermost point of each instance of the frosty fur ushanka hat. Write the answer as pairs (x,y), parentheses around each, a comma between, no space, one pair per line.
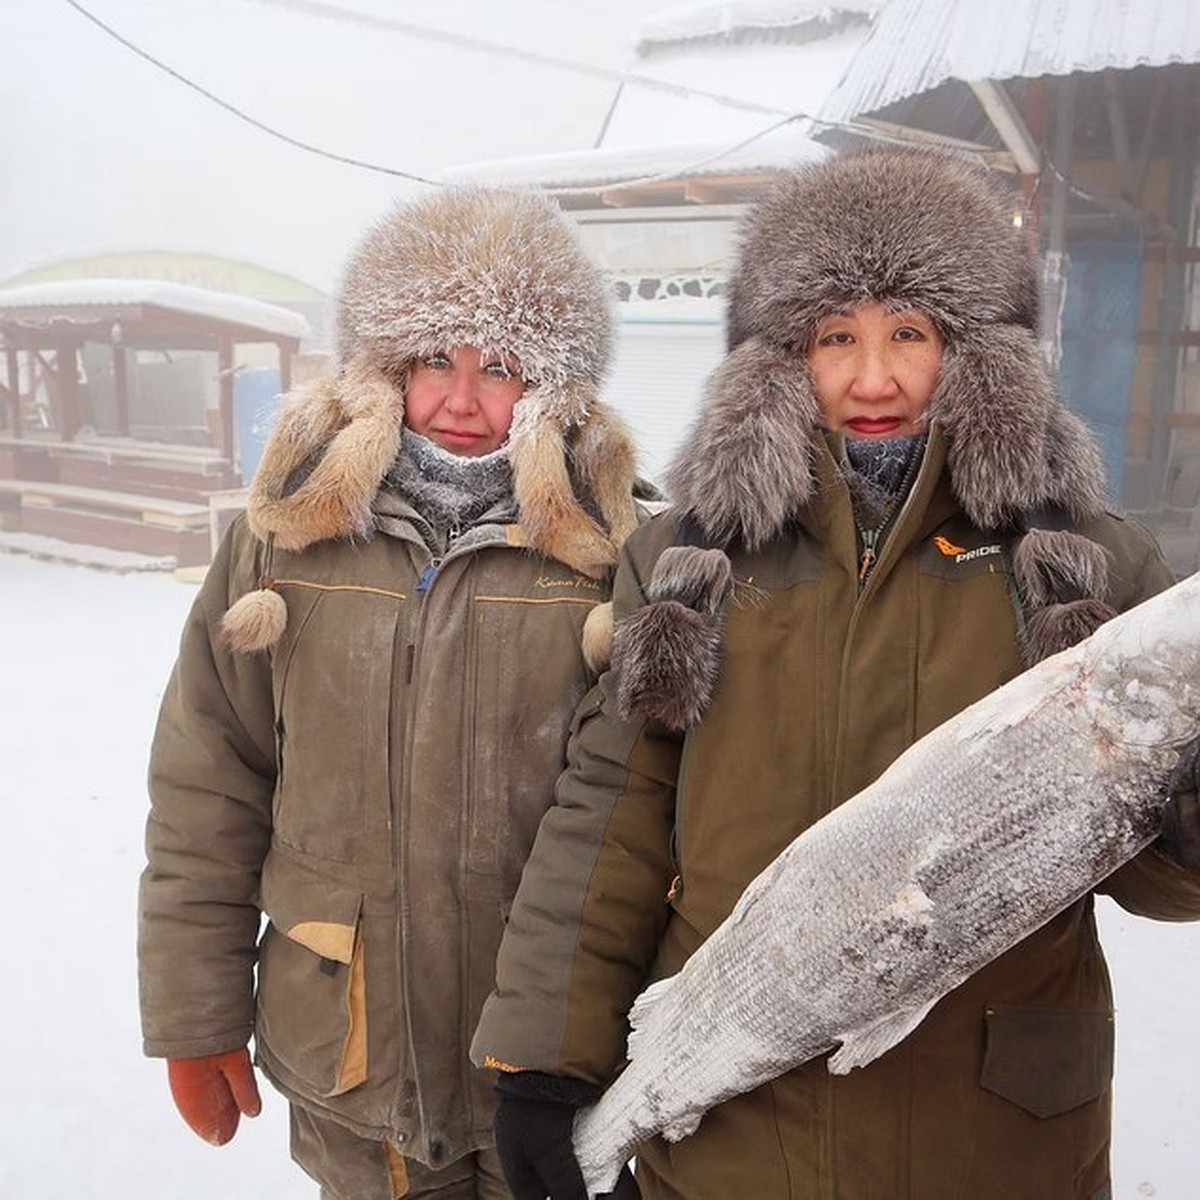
(910,229)
(498,269)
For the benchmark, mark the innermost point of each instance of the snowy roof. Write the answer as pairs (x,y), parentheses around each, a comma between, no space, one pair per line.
(734,21)
(917,45)
(252,315)
(615,167)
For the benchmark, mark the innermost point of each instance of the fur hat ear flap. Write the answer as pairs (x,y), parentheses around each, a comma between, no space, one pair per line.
(668,654)
(340,447)
(995,399)
(1075,465)
(748,467)
(256,621)
(603,454)
(1014,446)
(552,516)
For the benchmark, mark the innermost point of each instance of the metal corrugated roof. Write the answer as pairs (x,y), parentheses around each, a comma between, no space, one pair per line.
(917,45)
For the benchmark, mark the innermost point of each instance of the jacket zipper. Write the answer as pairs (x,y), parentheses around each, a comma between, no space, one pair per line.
(427,576)
(400,841)
(425,582)
(866,562)
(871,538)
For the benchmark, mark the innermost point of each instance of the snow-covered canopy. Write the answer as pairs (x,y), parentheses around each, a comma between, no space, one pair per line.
(918,45)
(609,167)
(24,304)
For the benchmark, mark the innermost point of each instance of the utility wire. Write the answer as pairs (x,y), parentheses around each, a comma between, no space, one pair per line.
(237,112)
(319,8)
(313,6)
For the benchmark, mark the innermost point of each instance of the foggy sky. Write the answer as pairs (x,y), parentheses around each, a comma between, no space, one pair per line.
(101,151)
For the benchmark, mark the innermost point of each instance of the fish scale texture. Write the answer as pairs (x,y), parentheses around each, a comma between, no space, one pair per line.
(976,836)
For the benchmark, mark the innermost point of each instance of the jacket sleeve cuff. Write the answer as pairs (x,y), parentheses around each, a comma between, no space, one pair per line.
(560,1089)
(1152,885)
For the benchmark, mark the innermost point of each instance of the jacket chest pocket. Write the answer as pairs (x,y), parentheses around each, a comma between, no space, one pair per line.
(335,682)
(1047,1060)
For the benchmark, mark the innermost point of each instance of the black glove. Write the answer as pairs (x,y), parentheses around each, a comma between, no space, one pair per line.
(1180,837)
(533,1139)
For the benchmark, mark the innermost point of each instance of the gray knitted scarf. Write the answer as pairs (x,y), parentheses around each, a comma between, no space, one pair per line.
(449,491)
(879,474)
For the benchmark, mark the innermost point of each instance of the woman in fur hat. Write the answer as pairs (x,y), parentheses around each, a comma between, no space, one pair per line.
(372,700)
(883,513)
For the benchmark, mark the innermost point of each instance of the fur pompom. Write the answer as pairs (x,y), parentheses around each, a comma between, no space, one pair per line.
(1060,626)
(597,638)
(667,658)
(1057,565)
(698,578)
(255,622)
(668,654)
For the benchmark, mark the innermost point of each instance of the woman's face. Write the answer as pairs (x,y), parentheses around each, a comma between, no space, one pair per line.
(875,370)
(462,400)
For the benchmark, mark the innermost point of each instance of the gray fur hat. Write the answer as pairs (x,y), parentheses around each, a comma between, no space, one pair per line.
(908,229)
(499,270)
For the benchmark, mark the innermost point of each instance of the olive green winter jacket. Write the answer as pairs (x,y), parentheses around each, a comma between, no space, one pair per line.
(1004,1090)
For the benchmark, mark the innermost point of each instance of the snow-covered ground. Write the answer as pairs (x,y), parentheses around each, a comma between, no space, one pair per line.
(84,1117)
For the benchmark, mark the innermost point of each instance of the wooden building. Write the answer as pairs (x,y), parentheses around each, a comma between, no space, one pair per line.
(117,408)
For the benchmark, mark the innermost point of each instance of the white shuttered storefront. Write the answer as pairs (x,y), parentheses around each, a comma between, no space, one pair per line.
(658,378)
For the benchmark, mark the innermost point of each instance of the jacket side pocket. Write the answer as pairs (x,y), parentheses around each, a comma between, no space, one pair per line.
(312,1008)
(1047,1060)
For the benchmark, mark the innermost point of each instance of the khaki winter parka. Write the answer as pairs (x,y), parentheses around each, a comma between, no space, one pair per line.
(373,784)
(823,682)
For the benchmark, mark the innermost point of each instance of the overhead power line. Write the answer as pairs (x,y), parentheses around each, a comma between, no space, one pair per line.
(462,41)
(315,7)
(237,112)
